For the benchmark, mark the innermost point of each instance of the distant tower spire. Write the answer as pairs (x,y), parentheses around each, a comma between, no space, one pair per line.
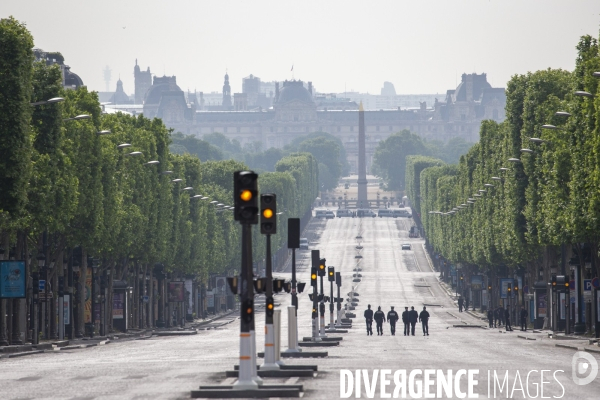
(226,91)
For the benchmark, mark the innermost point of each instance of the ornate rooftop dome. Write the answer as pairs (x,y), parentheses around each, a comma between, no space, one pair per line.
(294,90)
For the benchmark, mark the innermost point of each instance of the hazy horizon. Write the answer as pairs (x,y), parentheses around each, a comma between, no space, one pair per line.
(421,47)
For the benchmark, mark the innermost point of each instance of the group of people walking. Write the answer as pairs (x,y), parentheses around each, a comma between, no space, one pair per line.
(409,318)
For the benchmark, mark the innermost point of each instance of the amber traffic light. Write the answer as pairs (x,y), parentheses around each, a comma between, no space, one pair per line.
(245,189)
(331,274)
(322,267)
(268,217)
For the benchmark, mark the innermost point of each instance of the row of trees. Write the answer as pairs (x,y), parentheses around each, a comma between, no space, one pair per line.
(327,149)
(107,187)
(390,159)
(530,185)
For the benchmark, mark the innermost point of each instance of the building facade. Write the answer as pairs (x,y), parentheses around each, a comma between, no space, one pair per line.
(296,112)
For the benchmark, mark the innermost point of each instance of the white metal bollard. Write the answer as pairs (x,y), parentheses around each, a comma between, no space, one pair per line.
(292,331)
(277,340)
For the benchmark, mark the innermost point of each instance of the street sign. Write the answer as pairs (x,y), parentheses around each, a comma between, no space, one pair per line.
(145,299)
(587,285)
(42,285)
(596,283)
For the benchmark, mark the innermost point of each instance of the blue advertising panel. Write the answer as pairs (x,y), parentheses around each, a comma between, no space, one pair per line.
(12,279)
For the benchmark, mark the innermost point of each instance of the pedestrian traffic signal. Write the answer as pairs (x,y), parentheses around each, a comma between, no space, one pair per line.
(300,286)
(322,267)
(260,285)
(331,274)
(248,310)
(287,286)
(232,281)
(278,285)
(245,193)
(268,214)
(313,277)
(270,307)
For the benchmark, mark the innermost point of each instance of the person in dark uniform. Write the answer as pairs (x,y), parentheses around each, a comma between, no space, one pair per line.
(424,318)
(413,317)
(460,304)
(507,320)
(490,316)
(392,317)
(524,315)
(406,320)
(379,320)
(466,303)
(369,320)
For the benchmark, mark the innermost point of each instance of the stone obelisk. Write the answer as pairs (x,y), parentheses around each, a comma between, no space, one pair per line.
(362,165)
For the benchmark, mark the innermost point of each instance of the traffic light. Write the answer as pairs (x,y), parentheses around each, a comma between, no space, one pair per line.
(245,197)
(338,278)
(311,296)
(270,306)
(232,281)
(247,310)
(278,285)
(562,282)
(489,286)
(553,280)
(268,214)
(287,286)
(322,267)
(61,286)
(300,286)
(509,288)
(313,277)
(331,274)
(260,285)
(461,277)
(516,286)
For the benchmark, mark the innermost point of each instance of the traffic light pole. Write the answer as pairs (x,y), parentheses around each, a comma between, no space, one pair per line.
(322,311)
(269,363)
(331,300)
(338,282)
(295,296)
(248,378)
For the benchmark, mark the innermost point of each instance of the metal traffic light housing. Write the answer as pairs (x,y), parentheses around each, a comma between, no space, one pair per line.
(338,278)
(300,286)
(269,306)
(322,267)
(268,214)
(232,281)
(260,285)
(313,277)
(331,274)
(278,285)
(287,286)
(247,310)
(245,197)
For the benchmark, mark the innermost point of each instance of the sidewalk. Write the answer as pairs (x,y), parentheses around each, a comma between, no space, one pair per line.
(50,346)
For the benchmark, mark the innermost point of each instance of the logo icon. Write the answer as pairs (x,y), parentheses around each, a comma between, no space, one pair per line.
(581,368)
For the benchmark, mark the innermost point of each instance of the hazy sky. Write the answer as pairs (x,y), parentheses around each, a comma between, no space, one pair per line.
(421,46)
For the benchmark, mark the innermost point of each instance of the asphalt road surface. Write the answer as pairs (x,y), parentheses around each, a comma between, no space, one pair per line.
(170,367)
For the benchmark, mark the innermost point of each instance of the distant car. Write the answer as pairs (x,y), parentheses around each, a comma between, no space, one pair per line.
(329,215)
(303,244)
(365,212)
(406,246)
(321,214)
(385,212)
(401,213)
(343,212)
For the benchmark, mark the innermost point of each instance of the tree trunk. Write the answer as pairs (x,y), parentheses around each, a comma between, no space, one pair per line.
(81,295)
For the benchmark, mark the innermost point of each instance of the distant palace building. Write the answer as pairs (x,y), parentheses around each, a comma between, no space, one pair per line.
(296,111)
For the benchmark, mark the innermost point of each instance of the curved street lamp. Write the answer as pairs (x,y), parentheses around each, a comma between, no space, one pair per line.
(123,145)
(514,160)
(78,117)
(49,101)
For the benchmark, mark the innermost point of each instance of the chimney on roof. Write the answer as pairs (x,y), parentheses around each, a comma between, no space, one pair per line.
(276,92)
(310,88)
